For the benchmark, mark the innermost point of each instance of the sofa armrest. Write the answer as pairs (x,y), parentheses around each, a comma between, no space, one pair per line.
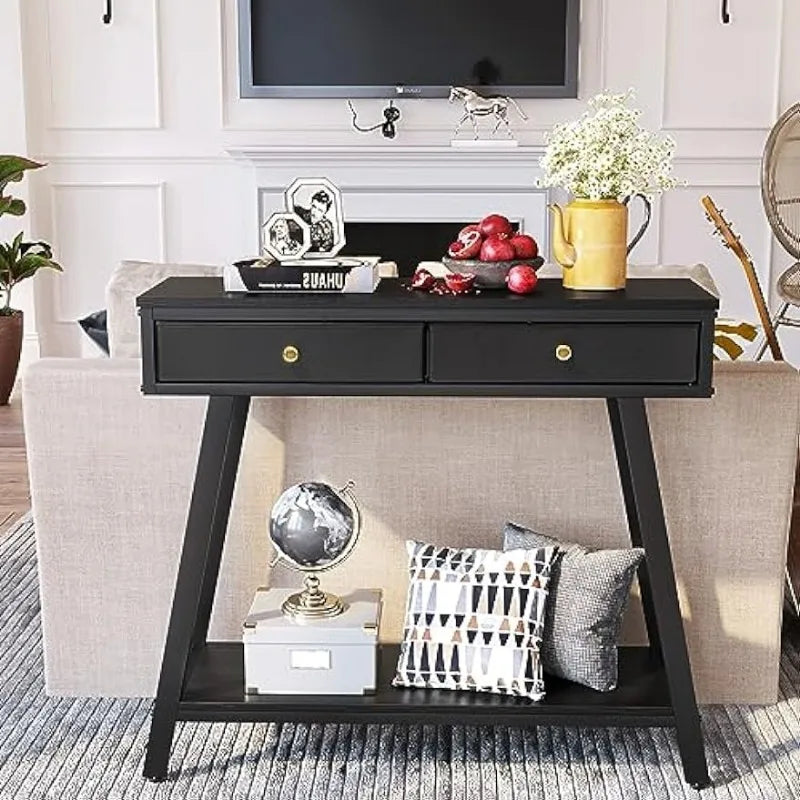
(111,474)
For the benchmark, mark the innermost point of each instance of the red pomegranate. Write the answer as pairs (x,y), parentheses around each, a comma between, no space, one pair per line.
(422,279)
(522,279)
(459,283)
(524,246)
(467,247)
(495,225)
(439,287)
(467,229)
(496,249)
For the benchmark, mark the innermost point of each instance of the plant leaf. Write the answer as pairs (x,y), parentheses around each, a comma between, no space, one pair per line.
(12,168)
(20,260)
(16,245)
(11,205)
(29,265)
(39,248)
(5,266)
(16,207)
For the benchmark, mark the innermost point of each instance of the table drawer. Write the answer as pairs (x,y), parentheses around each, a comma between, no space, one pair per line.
(244,352)
(600,353)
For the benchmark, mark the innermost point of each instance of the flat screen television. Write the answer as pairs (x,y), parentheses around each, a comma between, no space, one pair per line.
(408,48)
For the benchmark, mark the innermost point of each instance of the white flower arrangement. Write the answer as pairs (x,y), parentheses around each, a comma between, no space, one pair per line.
(607,154)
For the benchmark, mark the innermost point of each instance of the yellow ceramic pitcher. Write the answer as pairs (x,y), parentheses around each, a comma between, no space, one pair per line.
(590,241)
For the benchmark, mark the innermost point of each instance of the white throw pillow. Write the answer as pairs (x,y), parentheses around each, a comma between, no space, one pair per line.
(128,281)
(474,620)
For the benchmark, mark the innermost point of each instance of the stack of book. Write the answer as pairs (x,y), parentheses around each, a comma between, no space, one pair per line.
(344,275)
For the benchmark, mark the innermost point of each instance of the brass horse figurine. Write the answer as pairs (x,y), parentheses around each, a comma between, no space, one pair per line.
(476,106)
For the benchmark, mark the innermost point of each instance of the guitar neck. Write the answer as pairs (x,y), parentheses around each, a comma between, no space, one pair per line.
(733,242)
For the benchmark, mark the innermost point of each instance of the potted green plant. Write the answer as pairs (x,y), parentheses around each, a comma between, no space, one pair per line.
(18,260)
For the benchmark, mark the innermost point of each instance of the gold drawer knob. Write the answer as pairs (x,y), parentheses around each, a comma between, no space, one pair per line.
(291,354)
(563,352)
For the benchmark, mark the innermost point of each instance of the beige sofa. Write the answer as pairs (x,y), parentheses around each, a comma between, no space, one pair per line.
(111,473)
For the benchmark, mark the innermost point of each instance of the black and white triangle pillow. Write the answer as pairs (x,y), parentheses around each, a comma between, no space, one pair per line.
(474,620)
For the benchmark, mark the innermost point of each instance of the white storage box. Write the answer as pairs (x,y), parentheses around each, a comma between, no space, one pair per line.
(330,656)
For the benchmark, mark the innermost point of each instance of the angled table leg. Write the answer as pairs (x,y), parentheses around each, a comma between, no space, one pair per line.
(640,488)
(206,524)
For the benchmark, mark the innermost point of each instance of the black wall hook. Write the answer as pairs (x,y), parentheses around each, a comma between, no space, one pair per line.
(108,16)
(726,14)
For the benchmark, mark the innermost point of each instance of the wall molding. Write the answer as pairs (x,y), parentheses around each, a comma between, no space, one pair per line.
(670,128)
(159,188)
(388,156)
(158,122)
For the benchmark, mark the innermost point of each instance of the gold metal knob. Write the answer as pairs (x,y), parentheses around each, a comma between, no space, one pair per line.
(291,354)
(563,352)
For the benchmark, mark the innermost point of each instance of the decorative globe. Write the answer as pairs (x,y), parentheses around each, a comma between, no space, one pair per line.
(313,526)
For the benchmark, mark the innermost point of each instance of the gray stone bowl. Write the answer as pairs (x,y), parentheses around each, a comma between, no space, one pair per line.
(488,274)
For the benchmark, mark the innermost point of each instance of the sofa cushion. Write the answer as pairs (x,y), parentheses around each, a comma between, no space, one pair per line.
(474,620)
(589,590)
(128,281)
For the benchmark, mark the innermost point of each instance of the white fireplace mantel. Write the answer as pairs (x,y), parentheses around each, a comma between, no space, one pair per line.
(405,184)
(417,154)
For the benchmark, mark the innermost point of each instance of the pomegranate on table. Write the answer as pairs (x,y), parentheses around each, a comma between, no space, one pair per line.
(458,283)
(495,225)
(452,283)
(524,246)
(468,229)
(496,248)
(468,244)
(522,279)
(422,279)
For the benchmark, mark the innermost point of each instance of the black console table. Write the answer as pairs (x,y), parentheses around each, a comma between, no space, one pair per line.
(654,339)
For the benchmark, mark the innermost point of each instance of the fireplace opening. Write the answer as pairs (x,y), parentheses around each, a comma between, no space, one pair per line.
(406,243)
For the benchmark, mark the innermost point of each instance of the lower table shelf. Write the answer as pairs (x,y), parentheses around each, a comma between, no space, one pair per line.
(214,691)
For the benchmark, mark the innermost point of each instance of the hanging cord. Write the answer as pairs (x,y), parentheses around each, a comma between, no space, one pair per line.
(388,127)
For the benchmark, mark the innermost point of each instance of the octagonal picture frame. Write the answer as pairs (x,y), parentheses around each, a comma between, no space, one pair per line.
(318,202)
(285,237)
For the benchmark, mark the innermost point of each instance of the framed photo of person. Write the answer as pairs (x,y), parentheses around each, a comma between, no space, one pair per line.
(285,237)
(319,204)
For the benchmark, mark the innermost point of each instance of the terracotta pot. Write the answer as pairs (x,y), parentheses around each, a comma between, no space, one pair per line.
(10,349)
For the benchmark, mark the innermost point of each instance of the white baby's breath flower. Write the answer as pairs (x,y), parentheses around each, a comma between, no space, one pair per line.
(607,154)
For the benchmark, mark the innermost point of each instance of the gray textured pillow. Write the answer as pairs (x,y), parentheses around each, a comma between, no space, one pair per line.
(588,593)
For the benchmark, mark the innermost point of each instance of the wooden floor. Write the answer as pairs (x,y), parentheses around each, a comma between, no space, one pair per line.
(15,498)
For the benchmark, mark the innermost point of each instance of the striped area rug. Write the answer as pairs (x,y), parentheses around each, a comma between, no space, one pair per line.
(66,749)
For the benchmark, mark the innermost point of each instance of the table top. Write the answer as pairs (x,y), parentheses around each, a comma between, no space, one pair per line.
(393,299)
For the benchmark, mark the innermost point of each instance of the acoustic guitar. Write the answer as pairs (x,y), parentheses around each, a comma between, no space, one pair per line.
(733,242)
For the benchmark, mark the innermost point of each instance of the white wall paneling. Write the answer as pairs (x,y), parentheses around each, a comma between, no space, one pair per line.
(96,226)
(103,76)
(718,76)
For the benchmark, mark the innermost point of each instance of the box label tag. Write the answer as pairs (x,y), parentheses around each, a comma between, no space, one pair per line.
(310,659)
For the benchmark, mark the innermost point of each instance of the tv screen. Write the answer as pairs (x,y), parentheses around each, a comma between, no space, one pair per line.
(383,48)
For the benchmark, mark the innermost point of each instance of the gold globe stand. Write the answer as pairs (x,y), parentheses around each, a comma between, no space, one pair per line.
(313,603)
